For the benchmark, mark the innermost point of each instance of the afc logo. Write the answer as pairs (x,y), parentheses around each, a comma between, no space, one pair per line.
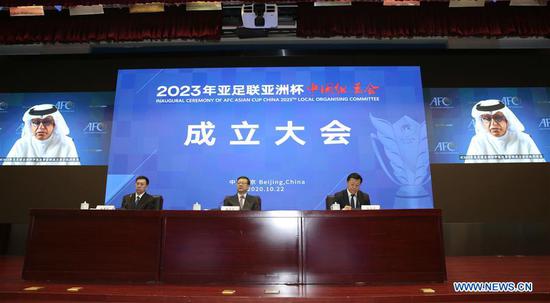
(445,147)
(441,102)
(3,106)
(511,101)
(65,106)
(544,123)
(95,128)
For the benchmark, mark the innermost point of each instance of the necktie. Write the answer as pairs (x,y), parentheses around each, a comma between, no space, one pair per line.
(241,201)
(353,203)
(137,199)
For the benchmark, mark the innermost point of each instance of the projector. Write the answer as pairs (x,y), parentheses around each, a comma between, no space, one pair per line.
(259,15)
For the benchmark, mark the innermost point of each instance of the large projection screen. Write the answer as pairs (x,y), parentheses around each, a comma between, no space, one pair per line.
(296,132)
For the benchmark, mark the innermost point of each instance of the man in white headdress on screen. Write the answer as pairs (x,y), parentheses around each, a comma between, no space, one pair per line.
(44,139)
(500,136)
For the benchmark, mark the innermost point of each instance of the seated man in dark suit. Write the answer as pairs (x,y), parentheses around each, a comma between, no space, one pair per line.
(352,197)
(242,198)
(140,199)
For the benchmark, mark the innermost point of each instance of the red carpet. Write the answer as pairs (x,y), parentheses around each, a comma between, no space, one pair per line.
(483,269)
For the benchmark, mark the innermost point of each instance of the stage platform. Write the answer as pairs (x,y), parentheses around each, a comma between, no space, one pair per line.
(535,269)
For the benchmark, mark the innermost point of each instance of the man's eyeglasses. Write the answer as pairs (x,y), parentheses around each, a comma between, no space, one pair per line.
(46,122)
(496,117)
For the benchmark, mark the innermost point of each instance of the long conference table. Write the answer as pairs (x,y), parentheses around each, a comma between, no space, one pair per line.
(211,247)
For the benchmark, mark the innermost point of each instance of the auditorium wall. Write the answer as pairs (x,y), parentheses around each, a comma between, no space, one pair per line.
(488,209)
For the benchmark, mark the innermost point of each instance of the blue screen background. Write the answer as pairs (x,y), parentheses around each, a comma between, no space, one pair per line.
(88,114)
(450,124)
(387,137)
